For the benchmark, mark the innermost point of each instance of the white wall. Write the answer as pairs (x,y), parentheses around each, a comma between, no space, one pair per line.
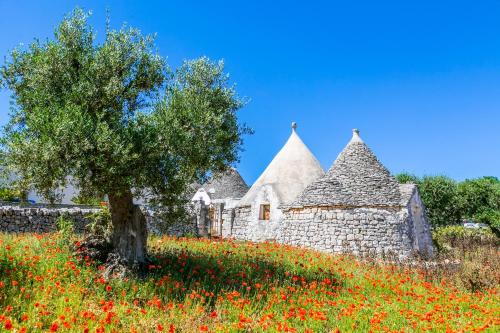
(262,230)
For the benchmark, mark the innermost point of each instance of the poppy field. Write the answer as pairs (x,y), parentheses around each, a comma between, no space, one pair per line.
(200,285)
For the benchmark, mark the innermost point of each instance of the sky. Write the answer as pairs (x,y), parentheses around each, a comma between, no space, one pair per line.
(419,79)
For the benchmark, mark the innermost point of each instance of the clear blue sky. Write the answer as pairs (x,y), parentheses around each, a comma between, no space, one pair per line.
(421,81)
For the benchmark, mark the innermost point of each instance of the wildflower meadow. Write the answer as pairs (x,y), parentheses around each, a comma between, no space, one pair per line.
(201,285)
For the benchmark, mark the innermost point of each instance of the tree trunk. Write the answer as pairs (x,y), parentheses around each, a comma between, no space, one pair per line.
(129,228)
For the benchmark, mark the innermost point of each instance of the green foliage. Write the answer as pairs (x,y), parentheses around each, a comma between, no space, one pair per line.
(101,223)
(446,238)
(407,178)
(490,217)
(475,194)
(479,200)
(93,199)
(65,228)
(113,117)
(439,195)
(9,194)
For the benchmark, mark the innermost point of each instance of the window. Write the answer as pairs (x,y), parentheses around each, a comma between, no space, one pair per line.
(265,212)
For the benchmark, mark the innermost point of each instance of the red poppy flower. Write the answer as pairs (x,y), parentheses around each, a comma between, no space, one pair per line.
(8,324)
(54,327)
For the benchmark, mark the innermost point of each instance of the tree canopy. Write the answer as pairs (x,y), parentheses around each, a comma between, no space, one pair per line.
(111,117)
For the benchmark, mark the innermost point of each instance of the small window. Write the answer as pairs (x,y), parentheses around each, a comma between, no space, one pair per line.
(265,212)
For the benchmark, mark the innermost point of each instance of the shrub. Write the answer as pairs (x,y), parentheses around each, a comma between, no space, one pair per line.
(101,223)
(480,270)
(9,194)
(65,228)
(453,237)
(490,217)
(468,257)
(91,201)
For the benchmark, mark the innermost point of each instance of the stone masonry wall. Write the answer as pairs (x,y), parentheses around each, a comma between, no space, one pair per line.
(241,222)
(41,218)
(196,214)
(228,216)
(156,227)
(360,231)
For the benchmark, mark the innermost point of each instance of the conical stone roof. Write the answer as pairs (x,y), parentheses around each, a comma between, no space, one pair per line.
(229,184)
(356,179)
(291,170)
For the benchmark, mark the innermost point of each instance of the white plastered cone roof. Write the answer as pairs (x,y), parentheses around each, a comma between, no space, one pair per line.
(291,170)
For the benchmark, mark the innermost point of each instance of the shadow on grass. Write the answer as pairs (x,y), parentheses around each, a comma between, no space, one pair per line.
(179,272)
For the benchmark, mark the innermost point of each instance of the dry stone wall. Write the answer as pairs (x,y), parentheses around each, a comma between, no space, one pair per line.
(193,225)
(41,218)
(360,231)
(156,226)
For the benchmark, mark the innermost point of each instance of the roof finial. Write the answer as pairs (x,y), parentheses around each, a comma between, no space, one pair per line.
(294,126)
(355,135)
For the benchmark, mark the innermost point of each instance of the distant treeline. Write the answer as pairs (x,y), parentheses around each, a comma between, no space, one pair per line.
(449,202)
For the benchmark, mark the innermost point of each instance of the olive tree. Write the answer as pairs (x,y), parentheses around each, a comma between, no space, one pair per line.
(112,118)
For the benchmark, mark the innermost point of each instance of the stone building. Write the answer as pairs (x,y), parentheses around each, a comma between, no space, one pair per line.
(359,208)
(221,192)
(258,214)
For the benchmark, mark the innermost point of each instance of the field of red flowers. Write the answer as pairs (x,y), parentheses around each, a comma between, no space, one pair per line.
(198,285)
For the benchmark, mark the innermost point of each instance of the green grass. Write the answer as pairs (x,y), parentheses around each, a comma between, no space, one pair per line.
(224,286)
